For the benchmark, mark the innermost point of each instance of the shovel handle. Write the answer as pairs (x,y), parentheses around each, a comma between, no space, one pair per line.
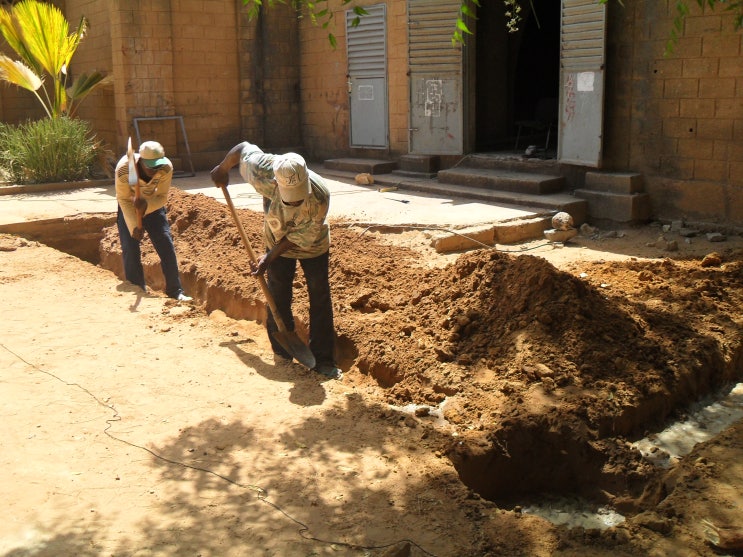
(261,279)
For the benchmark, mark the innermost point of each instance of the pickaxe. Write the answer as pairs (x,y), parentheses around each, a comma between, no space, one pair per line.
(140,204)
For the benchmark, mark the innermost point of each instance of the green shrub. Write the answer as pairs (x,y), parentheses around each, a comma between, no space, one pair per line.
(50,150)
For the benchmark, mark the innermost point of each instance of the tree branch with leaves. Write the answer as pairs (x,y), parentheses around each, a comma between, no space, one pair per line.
(321,15)
(514,15)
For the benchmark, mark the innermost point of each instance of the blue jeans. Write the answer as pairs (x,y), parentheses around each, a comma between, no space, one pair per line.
(280,278)
(158,230)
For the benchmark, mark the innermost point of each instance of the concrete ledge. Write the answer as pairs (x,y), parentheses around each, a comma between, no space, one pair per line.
(78,235)
(54,186)
(372,166)
(488,235)
(467,238)
(528,229)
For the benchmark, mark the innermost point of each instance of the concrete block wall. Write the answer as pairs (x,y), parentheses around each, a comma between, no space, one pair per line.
(168,58)
(398,84)
(205,76)
(280,66)
(231,78)
(16,104)
(94,54)
(250,79)
(677,118)
(324,95)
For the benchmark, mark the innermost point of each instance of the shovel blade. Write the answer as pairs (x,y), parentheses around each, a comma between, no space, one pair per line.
(298,349)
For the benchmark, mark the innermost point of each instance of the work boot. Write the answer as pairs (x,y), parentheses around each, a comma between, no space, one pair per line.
(329,371)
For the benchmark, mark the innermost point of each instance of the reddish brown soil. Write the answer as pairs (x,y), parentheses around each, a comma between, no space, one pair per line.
(547,374)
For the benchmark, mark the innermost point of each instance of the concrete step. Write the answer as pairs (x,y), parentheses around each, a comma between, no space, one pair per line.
(424,164)
(370,166)
(418,166)
(626,208)
(503,180)
(614,182)
(513,161)
(542,203)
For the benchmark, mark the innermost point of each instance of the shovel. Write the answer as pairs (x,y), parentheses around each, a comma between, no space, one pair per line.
(288,339)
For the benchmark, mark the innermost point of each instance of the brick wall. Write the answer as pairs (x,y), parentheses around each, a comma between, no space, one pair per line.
(277,81)
(94,54)
(684,110)
(325,107)
(205,75)
(169,57)
(272,62)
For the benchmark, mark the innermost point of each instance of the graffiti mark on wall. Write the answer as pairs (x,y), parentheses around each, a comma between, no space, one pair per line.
(434,97)
(570,97)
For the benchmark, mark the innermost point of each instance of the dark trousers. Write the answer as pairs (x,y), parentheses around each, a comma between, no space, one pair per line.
(280,278)
(158,230)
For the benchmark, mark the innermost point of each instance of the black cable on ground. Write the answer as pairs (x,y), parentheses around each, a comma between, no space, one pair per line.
(261,493)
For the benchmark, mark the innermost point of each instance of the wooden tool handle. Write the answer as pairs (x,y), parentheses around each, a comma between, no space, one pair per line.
(261,279)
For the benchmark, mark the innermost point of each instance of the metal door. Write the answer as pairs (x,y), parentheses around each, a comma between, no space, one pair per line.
(582,58)
(366,49)
(436,111)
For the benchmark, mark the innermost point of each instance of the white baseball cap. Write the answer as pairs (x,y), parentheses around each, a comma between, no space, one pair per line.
(292,177)
(152,154)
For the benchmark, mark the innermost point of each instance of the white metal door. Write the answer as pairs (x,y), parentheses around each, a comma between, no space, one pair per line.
(436,111)
(582,58)
(367,78)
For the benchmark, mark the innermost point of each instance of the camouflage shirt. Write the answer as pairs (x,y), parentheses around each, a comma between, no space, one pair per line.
(304,225)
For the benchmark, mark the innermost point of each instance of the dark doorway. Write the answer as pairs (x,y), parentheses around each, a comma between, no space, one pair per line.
(514,70)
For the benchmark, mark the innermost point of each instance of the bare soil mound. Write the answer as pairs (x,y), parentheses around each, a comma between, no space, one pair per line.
(543,374)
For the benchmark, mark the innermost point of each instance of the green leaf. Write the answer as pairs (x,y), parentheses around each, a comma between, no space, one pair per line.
(462,26)
(17,73)
(84,85)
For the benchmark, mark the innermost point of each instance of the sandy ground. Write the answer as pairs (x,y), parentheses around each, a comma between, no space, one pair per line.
(135,426)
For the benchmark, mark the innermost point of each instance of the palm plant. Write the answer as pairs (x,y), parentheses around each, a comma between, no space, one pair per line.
(39,34)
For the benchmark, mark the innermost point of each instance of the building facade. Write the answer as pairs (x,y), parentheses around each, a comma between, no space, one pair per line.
(395,84)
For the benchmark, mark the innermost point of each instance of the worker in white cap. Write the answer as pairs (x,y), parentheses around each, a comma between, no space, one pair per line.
(296,203)
(154,174)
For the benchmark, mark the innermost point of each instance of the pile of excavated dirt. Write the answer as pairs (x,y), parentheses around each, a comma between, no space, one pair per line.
(544,375)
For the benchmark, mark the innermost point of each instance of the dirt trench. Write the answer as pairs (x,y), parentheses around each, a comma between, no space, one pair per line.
(546,375)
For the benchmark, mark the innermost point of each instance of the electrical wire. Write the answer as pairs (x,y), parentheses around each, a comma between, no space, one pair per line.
(262,494)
